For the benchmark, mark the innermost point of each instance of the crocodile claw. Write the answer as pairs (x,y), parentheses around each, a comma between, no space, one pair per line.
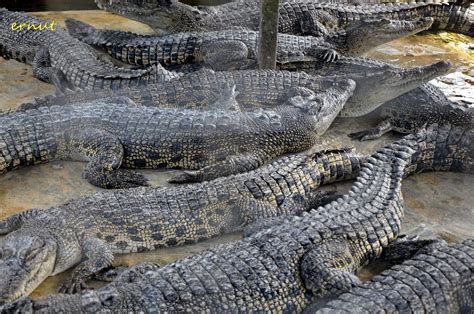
(129,179)
(329,55)
(185,177)
(362,136)
(117,179)
(72,286)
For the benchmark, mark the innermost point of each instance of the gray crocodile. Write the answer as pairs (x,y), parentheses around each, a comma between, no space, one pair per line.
(142,219)
(408,113)
(110,135)
(221,50)
(439,279)
(55,55)
(230,49)
(289,265)
(376,83)
(299,17)
(204,88)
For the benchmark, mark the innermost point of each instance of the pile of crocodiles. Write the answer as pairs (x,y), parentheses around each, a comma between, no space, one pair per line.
(191,97)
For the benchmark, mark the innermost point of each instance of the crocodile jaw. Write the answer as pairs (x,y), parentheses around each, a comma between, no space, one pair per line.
(377,88)
(363,36)
(26,261)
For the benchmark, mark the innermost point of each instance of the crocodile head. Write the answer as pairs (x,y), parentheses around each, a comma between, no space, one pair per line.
(162,15)
(364,35)
(379,85)
(322,107)
(25,261)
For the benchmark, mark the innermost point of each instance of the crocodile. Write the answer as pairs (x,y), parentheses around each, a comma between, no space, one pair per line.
(55,55)
(289,265)
(230,49)
(204,88)
(299,17)
(408,113)
(436,280)
(220,50)
(117,133)
(376,83)
(390,2)
(143,219)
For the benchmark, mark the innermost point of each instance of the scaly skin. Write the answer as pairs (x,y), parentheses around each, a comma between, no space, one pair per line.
(408,113)
(143,219)
(266,89)
(289,265)
(376,82)
(438,280)
(227,49)
(221,50)
(249,90)
(389,2)
(299,17)
(217,142)
(55,55)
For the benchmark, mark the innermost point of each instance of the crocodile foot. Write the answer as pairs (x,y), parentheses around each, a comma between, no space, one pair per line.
(374,133)
(110,274)
(329,55)
(117,179)
(365,135)
(186,177)
(72,285)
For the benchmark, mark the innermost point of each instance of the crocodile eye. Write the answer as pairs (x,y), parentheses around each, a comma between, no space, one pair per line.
(28,255)
(6,252)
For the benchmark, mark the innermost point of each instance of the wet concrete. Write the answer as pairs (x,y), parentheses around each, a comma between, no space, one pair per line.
(437,204)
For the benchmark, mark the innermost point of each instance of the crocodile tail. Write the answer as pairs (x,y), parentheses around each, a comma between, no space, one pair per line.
(456,18)
(97,37)
(441,148)
(85,33)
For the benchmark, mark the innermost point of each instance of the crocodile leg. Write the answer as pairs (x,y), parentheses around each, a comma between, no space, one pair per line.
(98,257)
(227,55)
(326,278)
(14,222)
(110,274)
(401,250)
(231,165)
(310,23)
(127,274)
(104,153)
(42,69)
(293,205)
(374,133)
(227,99)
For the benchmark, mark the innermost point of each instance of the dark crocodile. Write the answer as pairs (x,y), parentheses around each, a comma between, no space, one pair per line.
(55,55)
(143,219)
(294,262)
(376,83)
(227,49)
(408,113)
(301,17)
(437,280)
(110,135)
(221,50)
